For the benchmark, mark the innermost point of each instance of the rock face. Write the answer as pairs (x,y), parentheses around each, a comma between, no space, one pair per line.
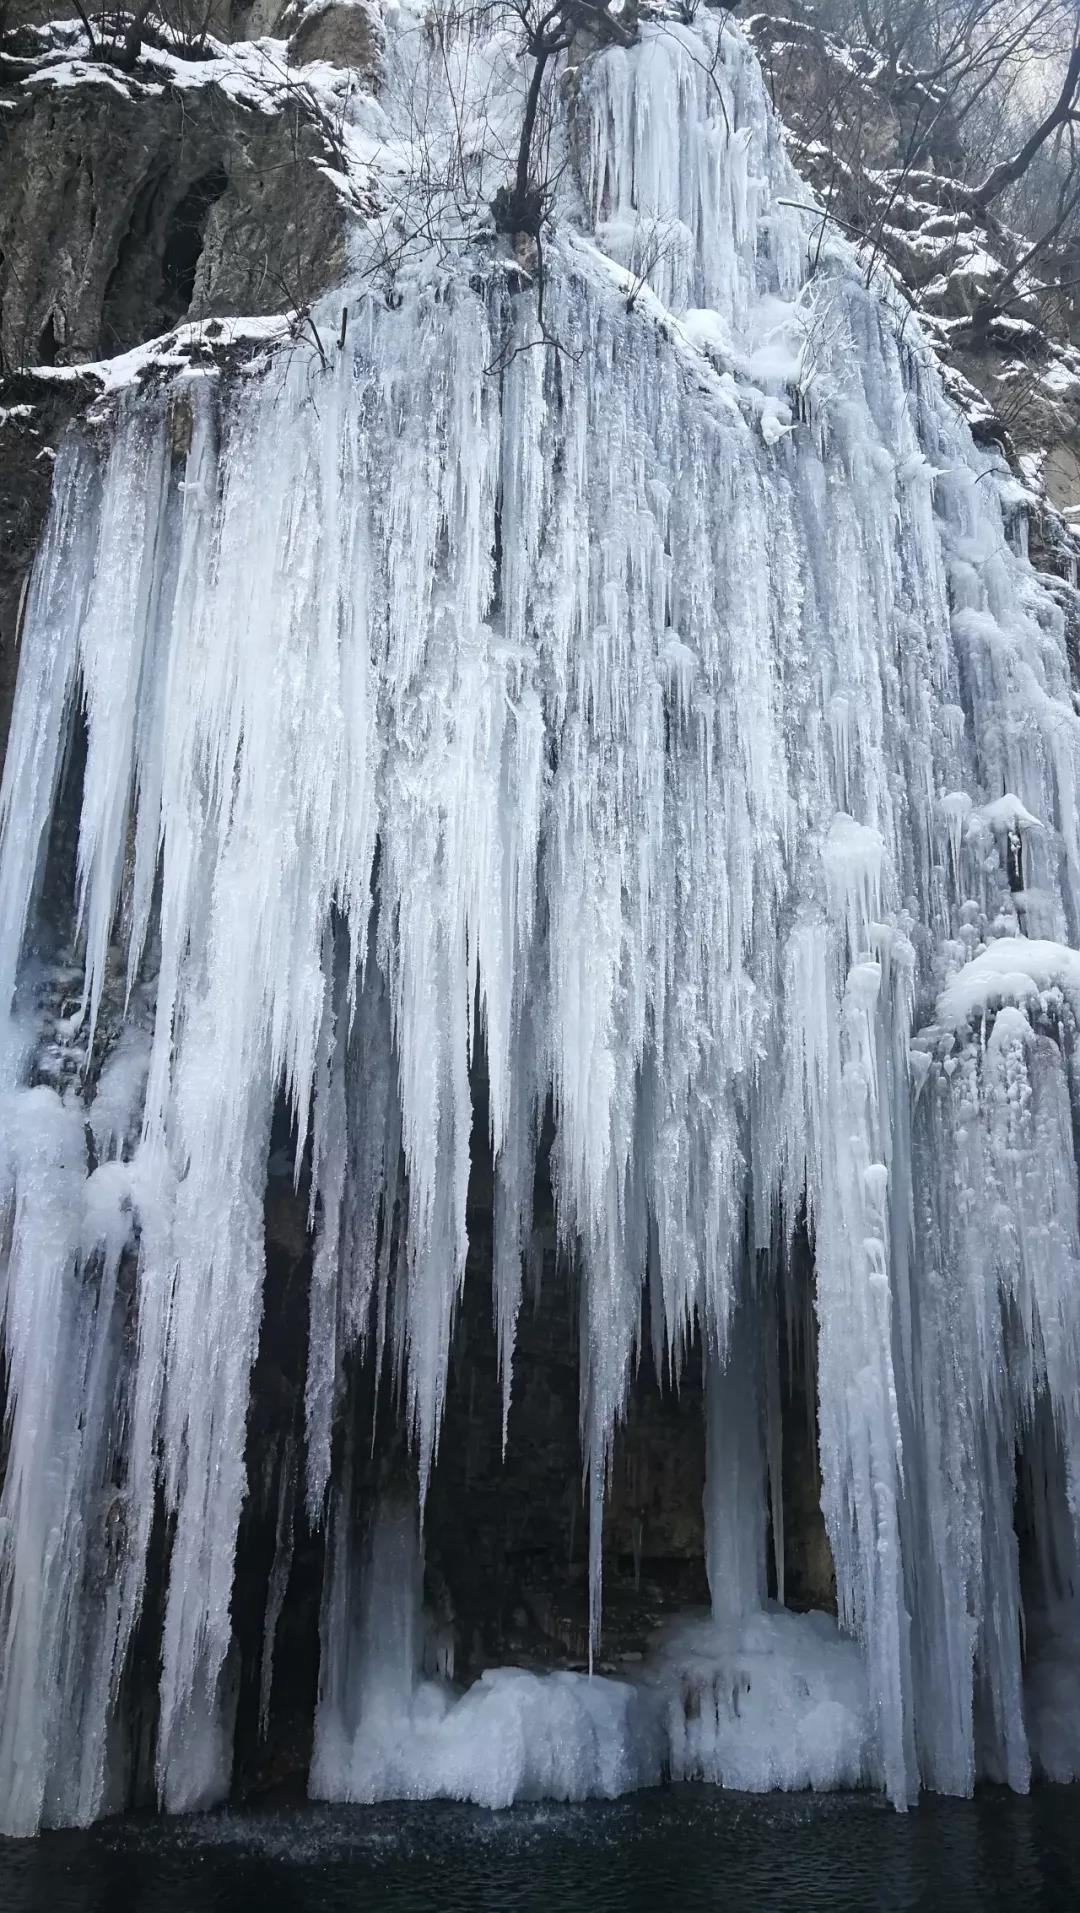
(344,33)
(224,19)
(1014,369)
(127,208)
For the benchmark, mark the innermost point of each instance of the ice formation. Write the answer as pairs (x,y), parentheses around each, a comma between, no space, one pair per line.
(674,711)
(760,1700)
(389,1727)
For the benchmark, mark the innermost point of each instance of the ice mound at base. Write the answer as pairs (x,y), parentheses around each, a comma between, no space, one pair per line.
(386,1730)
(514,1735)
(775,1702)
(767,1699)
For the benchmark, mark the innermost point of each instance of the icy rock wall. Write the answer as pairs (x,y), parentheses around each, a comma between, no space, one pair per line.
(651,698)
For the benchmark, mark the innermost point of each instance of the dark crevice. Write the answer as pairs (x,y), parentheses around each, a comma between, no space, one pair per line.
(184,237)
(152,282)
(118,332)
(47,343)
(274,1465)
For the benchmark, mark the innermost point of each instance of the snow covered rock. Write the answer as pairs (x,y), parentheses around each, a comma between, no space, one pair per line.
(187,189)
(339,33)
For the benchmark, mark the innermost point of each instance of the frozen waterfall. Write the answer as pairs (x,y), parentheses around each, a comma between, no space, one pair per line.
(668,726)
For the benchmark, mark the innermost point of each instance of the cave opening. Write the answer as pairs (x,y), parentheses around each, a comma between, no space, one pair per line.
(505,1524)
(140,303)
(184,238)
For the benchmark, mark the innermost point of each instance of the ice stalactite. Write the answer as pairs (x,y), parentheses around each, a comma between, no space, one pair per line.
(666,725)
(998,1347)
(277,1585)
(735,1506)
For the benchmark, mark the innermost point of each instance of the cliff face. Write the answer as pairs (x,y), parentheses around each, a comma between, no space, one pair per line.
(207,183)
(855,132)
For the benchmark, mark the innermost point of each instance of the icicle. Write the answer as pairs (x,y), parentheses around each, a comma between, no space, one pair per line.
(734,1478)
(774,1442)
(39,724)
(280,1569)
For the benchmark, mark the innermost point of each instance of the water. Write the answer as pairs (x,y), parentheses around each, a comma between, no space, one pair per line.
(708,1848)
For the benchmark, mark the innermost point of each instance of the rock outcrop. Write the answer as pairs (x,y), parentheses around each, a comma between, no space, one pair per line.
(131,203)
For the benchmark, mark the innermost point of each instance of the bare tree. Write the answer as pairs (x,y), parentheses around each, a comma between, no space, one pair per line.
(654,240)
(949,71)
(117,34)
(1010,171)
(472,169)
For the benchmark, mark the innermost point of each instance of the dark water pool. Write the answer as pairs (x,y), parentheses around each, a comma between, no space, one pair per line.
(683,1849)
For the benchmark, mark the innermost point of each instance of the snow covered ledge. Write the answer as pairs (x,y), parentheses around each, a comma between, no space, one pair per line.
(1023,972)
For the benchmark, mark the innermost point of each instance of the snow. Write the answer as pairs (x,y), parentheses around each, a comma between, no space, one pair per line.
(183,349)
(253,73)
(1061,380)
(642,713)
(1006,815)
(1018,328)
(708,332)
(1010,970)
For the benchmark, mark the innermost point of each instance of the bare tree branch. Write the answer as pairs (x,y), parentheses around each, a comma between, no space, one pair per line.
(1010,170)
